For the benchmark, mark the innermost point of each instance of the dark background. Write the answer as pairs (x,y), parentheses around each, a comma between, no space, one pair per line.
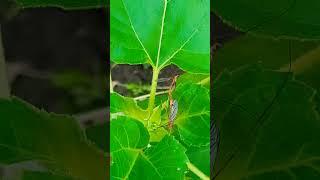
(40,44)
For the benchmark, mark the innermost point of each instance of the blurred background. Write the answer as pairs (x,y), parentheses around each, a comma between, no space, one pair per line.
(57,61)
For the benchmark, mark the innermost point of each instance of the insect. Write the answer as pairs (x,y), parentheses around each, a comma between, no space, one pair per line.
(173,104)
(173,113)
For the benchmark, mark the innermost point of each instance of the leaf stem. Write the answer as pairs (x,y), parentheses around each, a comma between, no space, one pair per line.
(154,84)
(197,172)
(4,85)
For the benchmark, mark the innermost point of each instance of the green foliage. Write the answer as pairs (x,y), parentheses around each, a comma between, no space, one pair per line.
(272,53)
(137,89)
(281,19)
(281,144)
(193,119)
(127,106)
(134,158)
(161,33)
(192,123)
(27,133)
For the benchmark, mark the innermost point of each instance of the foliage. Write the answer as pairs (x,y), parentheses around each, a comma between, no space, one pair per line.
(268,118)
(56,142)
(159,34)
(280,19)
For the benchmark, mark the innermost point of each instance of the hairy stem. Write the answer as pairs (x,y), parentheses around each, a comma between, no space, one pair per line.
(153,89)
(4,86)
(197,172)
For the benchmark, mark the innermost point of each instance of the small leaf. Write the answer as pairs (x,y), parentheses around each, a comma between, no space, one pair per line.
(161,33)
(134,158)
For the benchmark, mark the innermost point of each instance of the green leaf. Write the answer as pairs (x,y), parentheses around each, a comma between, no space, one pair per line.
(200,157)
(33,175)
(65,4)
(281,19)
(272,53)
(283,144)
(200,79)
(27,133)
(193,118)
(134,158)
(127,106)
(97,134)
(161,33)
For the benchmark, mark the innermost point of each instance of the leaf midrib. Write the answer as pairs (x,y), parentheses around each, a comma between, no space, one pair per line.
(194,32)
(161,32)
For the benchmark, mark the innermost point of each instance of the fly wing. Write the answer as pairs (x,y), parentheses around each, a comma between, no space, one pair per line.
(173,111)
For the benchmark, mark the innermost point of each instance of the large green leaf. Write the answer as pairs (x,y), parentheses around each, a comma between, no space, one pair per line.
(193,118)
(134,158)
(278,18)
(65,4)
(27,133)
(281,144)
(161,32)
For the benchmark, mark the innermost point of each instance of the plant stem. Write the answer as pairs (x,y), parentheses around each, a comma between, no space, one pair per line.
(197,172)
(4,86)
(153,89)
(143,97)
